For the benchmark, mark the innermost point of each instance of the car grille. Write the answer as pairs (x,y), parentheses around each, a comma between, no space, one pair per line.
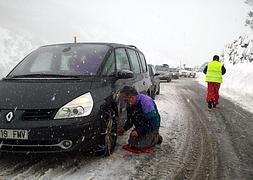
(41,114)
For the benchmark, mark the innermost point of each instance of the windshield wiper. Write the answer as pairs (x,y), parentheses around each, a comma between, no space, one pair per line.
(44,75)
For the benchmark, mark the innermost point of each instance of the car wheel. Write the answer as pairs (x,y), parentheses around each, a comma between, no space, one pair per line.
(149,93)
(158,91)
(153,94)
(109,132)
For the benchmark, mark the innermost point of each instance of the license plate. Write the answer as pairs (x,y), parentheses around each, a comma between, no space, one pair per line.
(13,134)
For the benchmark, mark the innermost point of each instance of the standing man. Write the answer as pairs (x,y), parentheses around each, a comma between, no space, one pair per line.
(142,113)
(214,71)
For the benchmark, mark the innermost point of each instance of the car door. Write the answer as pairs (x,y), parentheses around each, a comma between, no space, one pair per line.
(145,75)
(136,68)
(122,63)
(151,74)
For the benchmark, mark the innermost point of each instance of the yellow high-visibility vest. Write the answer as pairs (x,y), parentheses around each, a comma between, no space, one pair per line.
(214,72)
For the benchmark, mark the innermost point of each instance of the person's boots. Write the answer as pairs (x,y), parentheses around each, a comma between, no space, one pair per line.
(210,103)
(160,139)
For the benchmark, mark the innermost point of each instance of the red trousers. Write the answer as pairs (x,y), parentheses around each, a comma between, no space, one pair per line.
(213,92)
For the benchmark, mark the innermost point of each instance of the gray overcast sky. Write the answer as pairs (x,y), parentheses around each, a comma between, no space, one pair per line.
(167,31)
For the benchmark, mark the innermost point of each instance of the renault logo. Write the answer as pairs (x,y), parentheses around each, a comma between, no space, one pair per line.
(9,116)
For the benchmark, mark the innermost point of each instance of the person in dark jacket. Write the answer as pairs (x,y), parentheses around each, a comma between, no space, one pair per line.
(142,113)
(214,71)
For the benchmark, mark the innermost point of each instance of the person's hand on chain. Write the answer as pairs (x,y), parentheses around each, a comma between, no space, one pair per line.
(134,134)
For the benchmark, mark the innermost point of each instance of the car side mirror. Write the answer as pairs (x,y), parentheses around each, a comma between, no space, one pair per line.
(125,74)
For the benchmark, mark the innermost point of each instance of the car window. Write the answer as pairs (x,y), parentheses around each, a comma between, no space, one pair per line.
(143,62)
(150,70)
(153,70)
(44,62)
(162,68)
(134,60)
(173,69)
(109,67)
(121,59)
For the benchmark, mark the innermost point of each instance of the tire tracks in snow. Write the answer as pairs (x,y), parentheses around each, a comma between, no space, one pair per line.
(200,162)
(230,130)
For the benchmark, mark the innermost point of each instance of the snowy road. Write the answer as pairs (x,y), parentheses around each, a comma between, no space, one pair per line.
(198,144)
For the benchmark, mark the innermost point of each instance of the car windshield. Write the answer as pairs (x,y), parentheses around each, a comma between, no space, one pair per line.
(62,60)
(188,69)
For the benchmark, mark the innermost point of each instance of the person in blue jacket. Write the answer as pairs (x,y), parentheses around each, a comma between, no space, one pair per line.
(142,113)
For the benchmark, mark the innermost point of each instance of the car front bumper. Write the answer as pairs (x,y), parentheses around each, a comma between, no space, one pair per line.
(81,134)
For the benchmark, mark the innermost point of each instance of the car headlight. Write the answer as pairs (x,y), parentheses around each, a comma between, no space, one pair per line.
(78,107)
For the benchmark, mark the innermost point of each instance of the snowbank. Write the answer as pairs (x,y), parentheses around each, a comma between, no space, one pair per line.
(239,79)
(13,48)
(237,84)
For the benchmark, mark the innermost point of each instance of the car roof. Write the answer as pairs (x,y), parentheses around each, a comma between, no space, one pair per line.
(113,45)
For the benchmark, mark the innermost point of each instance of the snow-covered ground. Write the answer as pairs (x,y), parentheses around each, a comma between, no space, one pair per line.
(237,84)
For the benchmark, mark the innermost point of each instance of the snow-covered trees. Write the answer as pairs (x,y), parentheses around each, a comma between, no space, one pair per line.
(241,50)
(249,20)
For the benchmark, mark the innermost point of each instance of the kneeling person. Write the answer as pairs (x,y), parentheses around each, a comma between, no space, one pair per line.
(143,114)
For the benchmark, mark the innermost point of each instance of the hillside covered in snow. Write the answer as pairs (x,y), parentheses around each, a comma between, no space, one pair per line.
(13,48)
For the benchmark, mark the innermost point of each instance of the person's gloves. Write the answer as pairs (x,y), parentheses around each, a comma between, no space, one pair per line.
(134,134)
(121,131)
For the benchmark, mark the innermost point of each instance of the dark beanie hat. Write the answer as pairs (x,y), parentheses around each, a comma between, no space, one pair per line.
(216,58)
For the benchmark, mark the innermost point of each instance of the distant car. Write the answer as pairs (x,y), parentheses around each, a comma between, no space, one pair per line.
(187,72)
(155,88)
(191,72)
(65,97)
(175,73)
(184,73)
(164,73)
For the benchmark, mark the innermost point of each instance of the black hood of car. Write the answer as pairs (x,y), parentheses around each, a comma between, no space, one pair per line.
(40,94)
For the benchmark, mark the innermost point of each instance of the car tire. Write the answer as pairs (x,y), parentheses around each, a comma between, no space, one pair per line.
(158,91)
(149,92)
(153,94)
(108,133)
